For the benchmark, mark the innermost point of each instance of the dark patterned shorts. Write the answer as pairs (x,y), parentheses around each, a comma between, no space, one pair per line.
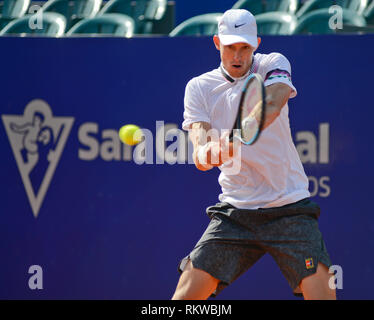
(236,238)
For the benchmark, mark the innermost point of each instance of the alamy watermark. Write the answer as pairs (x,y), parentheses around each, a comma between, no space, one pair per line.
(36,280)
(336,20)
(36,20)
(176,151)
(336,280)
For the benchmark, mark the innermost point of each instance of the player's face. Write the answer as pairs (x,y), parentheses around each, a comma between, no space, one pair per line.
(236,58)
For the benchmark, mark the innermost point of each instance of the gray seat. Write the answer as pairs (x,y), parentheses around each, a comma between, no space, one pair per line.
(263,6)
(202,25)
(357,6)
(144,12)
(73,11)
(276,23)
(369,14)
(48,24)
(317,22)
(13,9)
(113,24)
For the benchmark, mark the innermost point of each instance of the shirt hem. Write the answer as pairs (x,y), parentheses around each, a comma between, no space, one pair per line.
(288,199)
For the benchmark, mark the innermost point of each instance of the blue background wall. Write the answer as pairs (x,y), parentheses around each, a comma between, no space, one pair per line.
(115,229)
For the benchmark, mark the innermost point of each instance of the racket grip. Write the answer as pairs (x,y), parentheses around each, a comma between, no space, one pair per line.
(231,136)
(203,158)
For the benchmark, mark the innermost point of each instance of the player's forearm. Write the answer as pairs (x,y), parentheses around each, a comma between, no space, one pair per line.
(199,138)
(277,96)
(272,112)
(210,148)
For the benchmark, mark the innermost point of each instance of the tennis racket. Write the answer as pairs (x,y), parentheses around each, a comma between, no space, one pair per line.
(251,112)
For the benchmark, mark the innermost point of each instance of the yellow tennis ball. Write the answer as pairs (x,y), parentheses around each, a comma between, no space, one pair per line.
(130,135)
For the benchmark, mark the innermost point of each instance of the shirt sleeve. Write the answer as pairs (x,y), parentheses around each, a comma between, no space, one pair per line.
(194,105)
(278,69)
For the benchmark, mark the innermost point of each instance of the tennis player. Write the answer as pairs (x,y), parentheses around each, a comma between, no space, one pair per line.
(265,207)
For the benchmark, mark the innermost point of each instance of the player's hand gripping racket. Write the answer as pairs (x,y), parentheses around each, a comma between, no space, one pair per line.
(251,113)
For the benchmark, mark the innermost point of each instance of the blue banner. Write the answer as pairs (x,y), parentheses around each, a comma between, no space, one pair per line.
(101,220)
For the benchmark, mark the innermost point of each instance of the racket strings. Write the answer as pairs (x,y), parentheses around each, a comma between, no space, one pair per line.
(251,112)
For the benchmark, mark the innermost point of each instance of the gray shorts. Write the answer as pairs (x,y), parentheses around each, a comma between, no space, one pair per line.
(236,238)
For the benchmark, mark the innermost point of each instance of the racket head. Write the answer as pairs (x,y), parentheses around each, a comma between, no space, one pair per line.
(251,113)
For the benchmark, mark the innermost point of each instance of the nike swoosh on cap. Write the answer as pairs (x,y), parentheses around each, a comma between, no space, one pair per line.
(239,25)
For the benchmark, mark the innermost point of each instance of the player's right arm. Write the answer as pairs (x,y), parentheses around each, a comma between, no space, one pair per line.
(206,152)
(198,136)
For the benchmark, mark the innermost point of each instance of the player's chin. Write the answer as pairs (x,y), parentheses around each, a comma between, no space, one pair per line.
(237,70)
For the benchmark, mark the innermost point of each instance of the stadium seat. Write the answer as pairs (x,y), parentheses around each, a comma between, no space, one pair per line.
(276,23)
(51,25)
(144,12)
(202,25)
(318,22)
(73,11)
(13,9)
(369,14)
(114,24)
(311,5)
(260,6)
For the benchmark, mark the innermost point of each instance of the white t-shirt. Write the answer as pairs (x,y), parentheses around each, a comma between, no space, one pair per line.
(271,173)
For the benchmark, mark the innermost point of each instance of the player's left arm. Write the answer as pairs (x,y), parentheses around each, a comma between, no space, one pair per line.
(278,86)
(277,95)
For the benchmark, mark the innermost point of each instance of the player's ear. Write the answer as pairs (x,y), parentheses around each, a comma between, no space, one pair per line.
(216,42)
